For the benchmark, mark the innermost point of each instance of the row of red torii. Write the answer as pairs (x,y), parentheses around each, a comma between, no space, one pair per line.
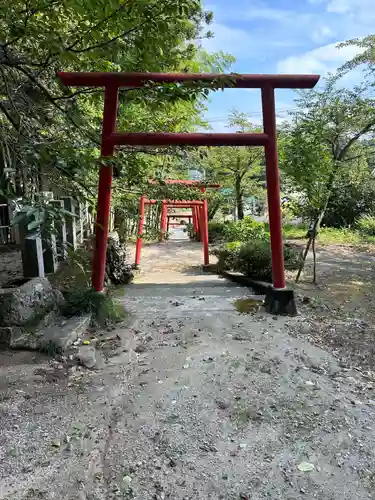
(199,215)
(111,139)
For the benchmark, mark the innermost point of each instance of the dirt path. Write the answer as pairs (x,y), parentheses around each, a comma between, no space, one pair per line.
(199,403)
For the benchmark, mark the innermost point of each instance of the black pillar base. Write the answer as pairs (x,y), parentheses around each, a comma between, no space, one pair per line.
(280,302)
(136,267)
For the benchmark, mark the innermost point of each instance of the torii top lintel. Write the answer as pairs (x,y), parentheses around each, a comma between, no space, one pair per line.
(118,80)
(113,82)
(186,182)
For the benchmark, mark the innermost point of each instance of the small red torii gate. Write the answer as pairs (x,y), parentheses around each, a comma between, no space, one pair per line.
(200,206)
(199,214)
(112,82)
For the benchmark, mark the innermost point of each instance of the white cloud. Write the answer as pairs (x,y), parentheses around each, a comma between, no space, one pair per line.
(321,60)
(234,41)
(268,13)
(339,6)
(357,8)
(321,33)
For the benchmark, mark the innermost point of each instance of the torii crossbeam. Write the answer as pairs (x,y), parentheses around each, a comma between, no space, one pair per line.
(112,82)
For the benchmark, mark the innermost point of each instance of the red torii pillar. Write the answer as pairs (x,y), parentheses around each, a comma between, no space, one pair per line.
(279,299)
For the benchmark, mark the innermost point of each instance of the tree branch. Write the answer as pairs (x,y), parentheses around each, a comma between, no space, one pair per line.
(363,131)
(108,42)
(102,21)
(9,116)
(51,99)
(79,92)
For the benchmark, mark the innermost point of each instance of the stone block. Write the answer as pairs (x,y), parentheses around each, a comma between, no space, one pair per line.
(27,303)
(32,257)
(31,249)
(52,331)
(65,332)
(17,337)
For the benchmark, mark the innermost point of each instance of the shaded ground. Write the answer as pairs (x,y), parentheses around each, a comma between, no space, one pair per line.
(197,402)
(341,310)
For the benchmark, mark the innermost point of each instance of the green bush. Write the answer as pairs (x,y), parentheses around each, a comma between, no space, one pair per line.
(253,258)
(226,255)
(245,230)
(216,230)
(366,225)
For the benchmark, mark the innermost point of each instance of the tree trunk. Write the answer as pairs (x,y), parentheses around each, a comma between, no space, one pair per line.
(212,209)
(239,198)
(316,226)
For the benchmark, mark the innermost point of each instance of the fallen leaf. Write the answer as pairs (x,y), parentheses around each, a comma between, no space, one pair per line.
(305,467)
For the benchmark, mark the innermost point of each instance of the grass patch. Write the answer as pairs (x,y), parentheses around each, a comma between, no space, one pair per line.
(294,231)
(105,309)
(328,235)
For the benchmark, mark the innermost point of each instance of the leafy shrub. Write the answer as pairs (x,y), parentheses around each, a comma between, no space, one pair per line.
(245,230)
(253,258)
(216,230)
(227,255)
(366,225)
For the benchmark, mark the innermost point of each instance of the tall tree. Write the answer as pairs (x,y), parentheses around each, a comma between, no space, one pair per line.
(47,127)
(323,140)
(237,168)
(365,56)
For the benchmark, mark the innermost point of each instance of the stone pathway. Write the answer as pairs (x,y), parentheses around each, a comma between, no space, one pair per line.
(199,403)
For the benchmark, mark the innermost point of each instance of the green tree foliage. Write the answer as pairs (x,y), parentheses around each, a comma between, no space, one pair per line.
(240,169)
(50,134)
(365,56)
(326,147)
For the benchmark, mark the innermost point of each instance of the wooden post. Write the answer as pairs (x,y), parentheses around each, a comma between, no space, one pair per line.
(163,220)
(60,230)
(206,253)
(70,221)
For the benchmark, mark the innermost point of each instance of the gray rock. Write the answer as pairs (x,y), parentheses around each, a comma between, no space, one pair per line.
(64,333)
(32,300)
(59,335)
(118,270)
(86,355)
(17,337)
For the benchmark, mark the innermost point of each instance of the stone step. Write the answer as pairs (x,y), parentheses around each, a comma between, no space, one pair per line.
(57,336)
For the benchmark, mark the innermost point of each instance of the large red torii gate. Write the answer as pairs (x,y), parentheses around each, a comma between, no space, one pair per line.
(112,82)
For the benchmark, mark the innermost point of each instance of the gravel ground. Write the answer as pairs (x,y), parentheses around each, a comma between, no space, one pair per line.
(198,402)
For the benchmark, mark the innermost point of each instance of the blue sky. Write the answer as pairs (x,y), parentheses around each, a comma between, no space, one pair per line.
(282,36)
